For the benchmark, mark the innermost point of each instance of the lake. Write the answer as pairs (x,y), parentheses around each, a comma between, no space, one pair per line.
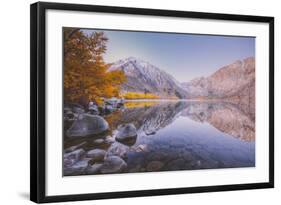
(173,135)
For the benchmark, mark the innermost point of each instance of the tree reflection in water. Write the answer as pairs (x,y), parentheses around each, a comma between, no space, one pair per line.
(179,135)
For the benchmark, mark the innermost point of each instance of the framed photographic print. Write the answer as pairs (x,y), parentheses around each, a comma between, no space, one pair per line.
(129,102)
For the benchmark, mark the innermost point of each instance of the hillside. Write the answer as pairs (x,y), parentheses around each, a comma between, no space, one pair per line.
(144,77)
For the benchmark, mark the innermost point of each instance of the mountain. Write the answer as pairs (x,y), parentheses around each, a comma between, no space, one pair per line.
(228,81)
(238,123)
(145,77)
(234,82)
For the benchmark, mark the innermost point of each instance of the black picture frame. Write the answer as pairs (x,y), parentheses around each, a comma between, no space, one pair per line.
(38,101)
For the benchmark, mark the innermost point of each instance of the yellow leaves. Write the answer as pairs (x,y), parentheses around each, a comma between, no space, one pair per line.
(117,77)
(133,104)
(85,73)
(134,95)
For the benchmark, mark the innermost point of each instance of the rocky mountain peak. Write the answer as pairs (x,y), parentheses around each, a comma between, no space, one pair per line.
(142,76)
(224,82)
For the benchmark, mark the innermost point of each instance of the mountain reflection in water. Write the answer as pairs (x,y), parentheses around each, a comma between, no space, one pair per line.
(179,135)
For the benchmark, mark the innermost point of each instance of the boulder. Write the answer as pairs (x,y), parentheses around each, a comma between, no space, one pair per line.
(91,103)
(108,109)
(150,132)
(154,166)
(128,142)
(126,133)
(117,150)
(74,147)
(72,157)
(177,164)
(96,155)
(78,168)
(140,148)
(75,107)
(70,116)
(66,109)
(98,141)
(78,110)
(87,125)
(93,109)
(93,169)
(113,164)
(109,139)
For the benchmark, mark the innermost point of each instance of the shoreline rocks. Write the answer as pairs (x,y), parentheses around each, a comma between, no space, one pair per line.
(77,168)
(87,125)
(93,109)
(93,169)
(154,166)
(109,139)
(97,155)
(126,133)
(113,164)
(75,147)
(73,157)
(98,141)
(150,132)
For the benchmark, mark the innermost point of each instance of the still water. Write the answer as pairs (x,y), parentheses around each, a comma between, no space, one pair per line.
(173,135)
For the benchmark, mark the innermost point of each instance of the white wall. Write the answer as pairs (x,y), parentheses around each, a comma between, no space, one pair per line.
(14,114)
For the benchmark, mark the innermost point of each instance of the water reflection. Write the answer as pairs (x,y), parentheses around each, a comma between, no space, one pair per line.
(172,135)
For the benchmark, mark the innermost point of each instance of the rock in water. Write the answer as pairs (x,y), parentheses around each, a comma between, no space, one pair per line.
(150,132)
(96,154)
(126,132)
(109,139)
(93,169)
(72,157)
(154,166)
(178,164)
(87,125)
(75,147)
(117,150)
(113,164)
(78,168)
(98,141)
(141,148)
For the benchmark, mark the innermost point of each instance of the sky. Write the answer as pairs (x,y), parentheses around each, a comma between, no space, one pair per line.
(185,56)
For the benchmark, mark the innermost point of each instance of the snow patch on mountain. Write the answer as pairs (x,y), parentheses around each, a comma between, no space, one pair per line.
(145,77)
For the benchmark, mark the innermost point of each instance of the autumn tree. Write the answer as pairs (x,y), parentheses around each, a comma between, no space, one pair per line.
(86,75)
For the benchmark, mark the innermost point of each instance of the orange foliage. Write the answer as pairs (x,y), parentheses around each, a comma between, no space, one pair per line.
(86,75)
(135,95)
(133,104)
